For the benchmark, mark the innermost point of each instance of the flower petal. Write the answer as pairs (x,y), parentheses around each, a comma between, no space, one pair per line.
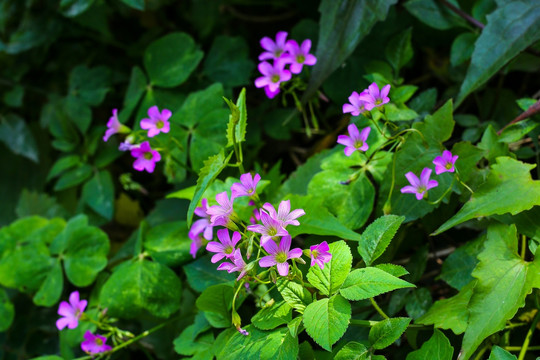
(267,261)
(283,268)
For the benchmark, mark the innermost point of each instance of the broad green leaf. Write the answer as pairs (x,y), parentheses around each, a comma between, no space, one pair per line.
(171,59)
(270,317)
(202,274)
(217,299)
(33,203)
(237,120)
(73,177)
(369,282)
(433,13)
(16,135)
(510,29)
(78,112)
(90,84)
(353,351)
(451,313)
(326,320)
(509,189)
(501,274)
(399,50)
(436,348)
(135,90)
(377,236)
(343,24)
(51,289)
(135,4)
(139,286)
(498,353)
(71,8)
(212,168)
(385,332)
(228,61)
(458,267)
(393,269)
(469,156)
(295,326)
(294,294)
(188,343)
(462,48)
(7,311)
(198,105)
(168,243)
(98,194)
(418,302)
(329,280)
(62,164)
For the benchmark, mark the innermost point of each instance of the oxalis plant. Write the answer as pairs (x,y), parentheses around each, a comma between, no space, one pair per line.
(358,213)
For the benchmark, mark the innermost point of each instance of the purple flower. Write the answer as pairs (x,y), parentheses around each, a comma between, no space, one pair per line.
(220,215)
(270,228)
(238,264)
(202,225)
(279,255)
(146,157)
(226,248)
(320,254)
(420,186)
(445,163)
(94,344)
(270,94)
(158,122)
(256,217)
(71,312)
(375,98)
(356,106)
(356,140)
(246,186)
(114,126)
(127,146)
(298,56)
(274,50)
(243,332)
(196,242)
(273,75)
(284,214)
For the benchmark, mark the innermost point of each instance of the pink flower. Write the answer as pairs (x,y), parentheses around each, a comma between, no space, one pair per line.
(298,56)
(197,241)
(271,94)
(274,50)
(256,217)
(114,126)
(445,163)
(226,248)
(71,312)
(420,186)
(320,254)
(238,264)
(94,344)
(127,146)
(146,157)
(202,225)
(284,214)
(158,122)
(356,141)
(220,215)
(279,255)
(356,106)
(246,186)
(273,76)
(374,97)
(270,228)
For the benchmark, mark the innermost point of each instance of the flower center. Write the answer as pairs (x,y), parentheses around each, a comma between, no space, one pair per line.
(358,144)
(281,257)
(250,190)
(315,254)
(160,124)
(421,189)
(448,165)
(148,155)
(378,101)
(300,59)
(228,250)
(98,341)
(272,231)
(278,53)
(275,78)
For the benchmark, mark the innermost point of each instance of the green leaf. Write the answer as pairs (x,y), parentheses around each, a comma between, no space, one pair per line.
(458,267)
(171,59)
(135,90)
(326,320)
(498,353)
(17,137)
(369,282)
(168,243)
(377,236)
(508,188)
(510,29)
(501,274)
(270,317)
(385,332)
(294,294)
(329,280)
(7,311)
(399,50)
(418,302)
(353,351)
(217,299)
(33,203)
(62,164)
(436,348)
(462,48)
(393,269)
(212,168)
(90,84)
(135,4)
(72,8)
(202,274)
(187,343)
(51,289)
(139,286)
(73,177)
(98,194)
(228,61)
(433,14)
(343,24)
(237,120)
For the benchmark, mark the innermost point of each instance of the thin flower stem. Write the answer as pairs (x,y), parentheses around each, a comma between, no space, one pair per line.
(265,293)
(462,183)
(523,246)
(379,129)
(379,310)
(511,326)
(443,195)
(389,198)
(481,352)
(313,117)
(518,348)
(236,294)
(525,346)
(370,323)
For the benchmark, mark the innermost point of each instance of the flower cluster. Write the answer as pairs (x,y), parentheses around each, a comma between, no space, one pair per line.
(145,157)
(420,187)
(282,52)
(367,100)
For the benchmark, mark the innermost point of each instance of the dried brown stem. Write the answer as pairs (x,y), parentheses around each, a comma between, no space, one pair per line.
(532,110)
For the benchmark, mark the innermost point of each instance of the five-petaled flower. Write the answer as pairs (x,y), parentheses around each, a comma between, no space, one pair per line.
(420,186)
(375,98)
(271,227)
(273,75)
(320,254)
(114,126)
(356,106)
(284,214)
(237,264)
(201,230)
(94,344)
(445,163)
(225,246)
(158,122)
(146,157)
(278,255)
(247,185)
(71,312)
(357,141)
(220,215)
(298,56)
(274,50)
